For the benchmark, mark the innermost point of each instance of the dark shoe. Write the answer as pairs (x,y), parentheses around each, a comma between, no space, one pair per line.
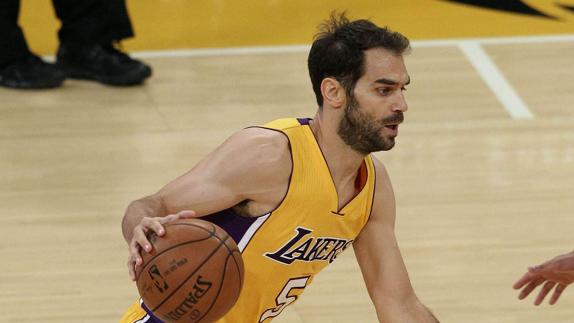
(102,63)
(31,72)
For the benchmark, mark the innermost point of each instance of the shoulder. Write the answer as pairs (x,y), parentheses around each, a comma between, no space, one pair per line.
(256,141)
(265,138)
(259,152)
(259,143)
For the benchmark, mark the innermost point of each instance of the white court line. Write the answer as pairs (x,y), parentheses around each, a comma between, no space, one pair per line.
(494,40)
(209,52)
(495,80)
(254,50)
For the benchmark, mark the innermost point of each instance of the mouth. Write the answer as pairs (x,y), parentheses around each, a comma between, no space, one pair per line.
(392,130)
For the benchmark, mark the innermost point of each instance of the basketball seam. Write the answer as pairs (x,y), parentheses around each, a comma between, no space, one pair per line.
(230,250)
(237,266)
(218,290)
(212,233)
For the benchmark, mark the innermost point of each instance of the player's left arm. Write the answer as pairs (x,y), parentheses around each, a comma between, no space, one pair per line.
(381,262)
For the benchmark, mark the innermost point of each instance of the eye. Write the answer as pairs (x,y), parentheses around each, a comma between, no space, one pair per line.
(403,89)
(384,91)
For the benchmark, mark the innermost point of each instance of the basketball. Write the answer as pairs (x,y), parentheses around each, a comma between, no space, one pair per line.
(194,272)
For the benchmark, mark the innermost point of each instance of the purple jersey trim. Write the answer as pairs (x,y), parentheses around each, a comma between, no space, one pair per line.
(152,318)
(303,121)
(234,224)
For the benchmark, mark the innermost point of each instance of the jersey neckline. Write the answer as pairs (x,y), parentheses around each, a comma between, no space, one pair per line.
(339,211)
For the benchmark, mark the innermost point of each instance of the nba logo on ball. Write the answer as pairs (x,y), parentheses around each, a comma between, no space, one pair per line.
(157,279)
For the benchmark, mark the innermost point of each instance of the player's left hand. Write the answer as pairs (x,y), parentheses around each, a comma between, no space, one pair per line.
(140,243)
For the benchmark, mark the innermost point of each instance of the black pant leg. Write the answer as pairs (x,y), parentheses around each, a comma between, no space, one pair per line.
(93,21)
(12,42)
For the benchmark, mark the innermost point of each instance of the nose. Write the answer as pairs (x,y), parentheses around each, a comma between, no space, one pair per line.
(400,105)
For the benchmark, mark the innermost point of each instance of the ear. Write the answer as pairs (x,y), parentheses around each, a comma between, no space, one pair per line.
(333,92)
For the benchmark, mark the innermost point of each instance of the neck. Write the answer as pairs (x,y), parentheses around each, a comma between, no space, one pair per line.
(342,160)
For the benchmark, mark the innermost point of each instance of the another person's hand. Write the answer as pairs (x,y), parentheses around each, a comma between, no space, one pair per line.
(556,274)
(140,240)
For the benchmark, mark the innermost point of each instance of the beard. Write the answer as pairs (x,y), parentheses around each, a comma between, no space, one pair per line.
(364,134)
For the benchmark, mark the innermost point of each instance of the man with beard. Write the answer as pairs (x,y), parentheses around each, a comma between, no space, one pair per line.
(295,193)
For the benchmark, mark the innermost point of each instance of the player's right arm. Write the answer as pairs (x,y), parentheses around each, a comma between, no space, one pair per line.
(254,164)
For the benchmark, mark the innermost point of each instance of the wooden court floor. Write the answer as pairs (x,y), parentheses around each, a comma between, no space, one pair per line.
(480,195)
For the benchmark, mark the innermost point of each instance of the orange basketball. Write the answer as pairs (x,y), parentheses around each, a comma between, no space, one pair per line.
(193,274)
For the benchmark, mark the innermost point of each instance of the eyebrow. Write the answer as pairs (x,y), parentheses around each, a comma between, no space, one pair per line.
(392,82)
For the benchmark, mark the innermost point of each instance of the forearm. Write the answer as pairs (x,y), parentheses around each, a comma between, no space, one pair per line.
(150,206)
(405,312)
(422,313)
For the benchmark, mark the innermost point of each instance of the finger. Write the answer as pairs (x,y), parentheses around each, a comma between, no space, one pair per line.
(134,260)
(544,291)
(557,292)
(180,215)
(135,256)
(156,226)
(141,241)
(526,278)
(530,287)
(535,268)
(538,268)
(131,269)
(186,214)
(549,265)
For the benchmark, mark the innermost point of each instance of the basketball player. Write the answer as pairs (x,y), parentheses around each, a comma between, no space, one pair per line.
(556,274)
(296,193)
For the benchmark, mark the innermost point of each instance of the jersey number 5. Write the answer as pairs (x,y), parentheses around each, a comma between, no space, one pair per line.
(284,299)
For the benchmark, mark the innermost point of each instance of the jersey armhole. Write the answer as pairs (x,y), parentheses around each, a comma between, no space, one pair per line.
(264,218)
(374,176)
(292,165)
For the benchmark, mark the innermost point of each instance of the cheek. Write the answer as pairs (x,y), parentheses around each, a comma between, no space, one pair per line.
(367,104)
(374,112)
(374,103)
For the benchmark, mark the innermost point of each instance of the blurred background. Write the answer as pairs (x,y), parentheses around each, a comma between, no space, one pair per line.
(482,169)
(169,24)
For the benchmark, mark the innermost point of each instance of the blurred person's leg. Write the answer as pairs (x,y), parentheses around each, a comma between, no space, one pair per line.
(19,68)
(90,32)
(93,21)
(12,42)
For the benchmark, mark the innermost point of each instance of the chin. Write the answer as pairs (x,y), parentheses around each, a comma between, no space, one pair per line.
(389,144)
(388,147)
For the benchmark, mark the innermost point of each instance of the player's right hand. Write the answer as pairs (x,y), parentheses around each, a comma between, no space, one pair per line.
(556,274)
(140,234)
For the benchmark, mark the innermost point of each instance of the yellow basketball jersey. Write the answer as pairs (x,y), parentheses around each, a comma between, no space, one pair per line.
(284,249)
